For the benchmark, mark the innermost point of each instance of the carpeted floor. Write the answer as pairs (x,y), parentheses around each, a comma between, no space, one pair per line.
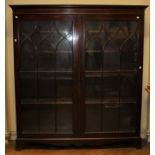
(114,151)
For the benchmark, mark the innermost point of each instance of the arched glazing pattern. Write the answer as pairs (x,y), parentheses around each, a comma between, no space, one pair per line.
(111,62)
(46,75)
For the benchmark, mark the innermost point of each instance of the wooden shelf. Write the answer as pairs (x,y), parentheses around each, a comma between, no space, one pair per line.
(52,51)
(46,75)
(116,132)
(111,71)
(105,73)
(55,78)
(46,71)
(45,101)
(106,101)
(104,51)
(62,32)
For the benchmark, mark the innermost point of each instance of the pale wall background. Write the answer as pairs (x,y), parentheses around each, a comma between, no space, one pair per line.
(10,87)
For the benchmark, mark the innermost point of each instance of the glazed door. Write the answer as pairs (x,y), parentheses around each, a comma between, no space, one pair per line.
(78,75)
(111,75)
(45,75)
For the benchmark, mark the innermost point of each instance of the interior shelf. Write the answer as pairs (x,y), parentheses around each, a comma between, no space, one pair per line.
(53,30)
(111,71)
(55,78)
(53,51)
(104,51)
(100,73)
(46,101)
(106,101)
(116,132)
(46,71)
(49,78)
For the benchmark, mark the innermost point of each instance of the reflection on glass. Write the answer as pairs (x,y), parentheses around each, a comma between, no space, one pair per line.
(115,42)
(46,73)
(111,58)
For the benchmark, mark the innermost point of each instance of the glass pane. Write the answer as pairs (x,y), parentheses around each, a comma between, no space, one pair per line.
(28,87)
(111,58)
(93,88)
(64,89)
(46,71)
(64,61)
(116,40)
(129,88)
(28,56)
(47,119)
(30,121)
(64,86)
(127,117)
(129,59)
(46,85)
(64,118)
(93,46)
(111,88)
(93,60)
(129,47)
(46,61)
(110,117)
(64,46)
(93,118)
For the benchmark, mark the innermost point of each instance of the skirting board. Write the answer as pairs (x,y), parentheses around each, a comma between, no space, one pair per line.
(148,136)
(10,136)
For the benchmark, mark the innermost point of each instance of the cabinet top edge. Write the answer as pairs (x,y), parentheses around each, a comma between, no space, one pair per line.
(14,7)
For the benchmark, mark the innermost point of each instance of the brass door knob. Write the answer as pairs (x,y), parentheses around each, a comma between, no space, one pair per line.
(140,67)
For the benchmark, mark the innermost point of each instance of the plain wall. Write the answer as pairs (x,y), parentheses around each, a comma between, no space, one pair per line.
(10,86)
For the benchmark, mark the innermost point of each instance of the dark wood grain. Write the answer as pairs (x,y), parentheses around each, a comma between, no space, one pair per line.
(78,9)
